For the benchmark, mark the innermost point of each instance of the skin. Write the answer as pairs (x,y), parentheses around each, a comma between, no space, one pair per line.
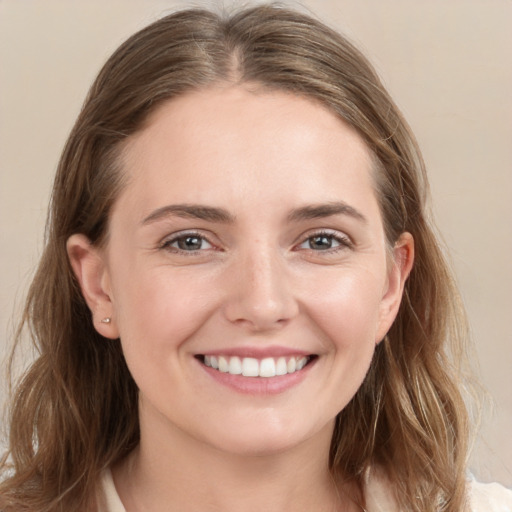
(257,280)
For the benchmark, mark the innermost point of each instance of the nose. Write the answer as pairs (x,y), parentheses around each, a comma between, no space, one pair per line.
(260,297)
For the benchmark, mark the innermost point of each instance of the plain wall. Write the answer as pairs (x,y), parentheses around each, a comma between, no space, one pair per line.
(448,66)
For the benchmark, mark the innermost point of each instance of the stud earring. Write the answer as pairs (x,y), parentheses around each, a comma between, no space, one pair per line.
(106,320)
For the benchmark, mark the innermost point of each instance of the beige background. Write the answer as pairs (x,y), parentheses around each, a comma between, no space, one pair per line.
(446,63)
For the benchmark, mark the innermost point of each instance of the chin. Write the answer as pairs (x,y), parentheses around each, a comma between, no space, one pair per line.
(271,438)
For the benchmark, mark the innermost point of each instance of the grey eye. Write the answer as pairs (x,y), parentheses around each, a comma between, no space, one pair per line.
(188,243)
(321,242)
(325,242)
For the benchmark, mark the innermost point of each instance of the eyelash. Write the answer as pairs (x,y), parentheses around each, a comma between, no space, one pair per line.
(167,244)
(343,241)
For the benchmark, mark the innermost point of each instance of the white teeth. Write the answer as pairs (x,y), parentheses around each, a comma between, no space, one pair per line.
(235,366)
(281,367)
(267,367)
(223,364)
(252,367)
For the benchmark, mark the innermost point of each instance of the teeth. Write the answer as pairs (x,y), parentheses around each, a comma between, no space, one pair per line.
(267,367)
(235,366)
(252,367)
(223,364)
(301,363)
(281,367)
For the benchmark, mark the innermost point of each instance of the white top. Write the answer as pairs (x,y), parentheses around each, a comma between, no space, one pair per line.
(483,497)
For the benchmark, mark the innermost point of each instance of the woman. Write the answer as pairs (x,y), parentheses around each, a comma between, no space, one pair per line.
(241,303)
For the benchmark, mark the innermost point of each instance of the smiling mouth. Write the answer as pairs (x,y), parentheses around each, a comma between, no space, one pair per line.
(253,367)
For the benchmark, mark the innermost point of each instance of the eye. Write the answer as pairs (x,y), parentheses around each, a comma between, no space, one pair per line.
(325,242)
(187,242)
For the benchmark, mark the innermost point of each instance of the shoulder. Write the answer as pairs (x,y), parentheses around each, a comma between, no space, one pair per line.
(378,491)
(483,497)
(489,497)
(108,499)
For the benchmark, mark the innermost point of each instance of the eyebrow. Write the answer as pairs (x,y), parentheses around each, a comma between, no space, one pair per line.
(318,211)
(190,211)
(213,214)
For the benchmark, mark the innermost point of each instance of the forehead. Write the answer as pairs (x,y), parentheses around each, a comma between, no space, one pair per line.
(246,144)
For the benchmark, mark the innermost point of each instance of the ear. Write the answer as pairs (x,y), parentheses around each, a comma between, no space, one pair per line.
(92,274)
(398,272)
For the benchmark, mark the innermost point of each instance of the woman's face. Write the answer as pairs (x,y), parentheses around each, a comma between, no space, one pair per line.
(248,238)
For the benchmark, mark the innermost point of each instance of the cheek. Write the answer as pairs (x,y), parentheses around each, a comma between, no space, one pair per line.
(347,314)
(152,307)
(347,308)
(157,316)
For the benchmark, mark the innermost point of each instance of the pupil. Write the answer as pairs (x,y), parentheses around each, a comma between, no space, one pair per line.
(320,242)
(189,243)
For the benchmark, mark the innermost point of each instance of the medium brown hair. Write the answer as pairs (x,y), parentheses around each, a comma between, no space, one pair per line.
(74,412)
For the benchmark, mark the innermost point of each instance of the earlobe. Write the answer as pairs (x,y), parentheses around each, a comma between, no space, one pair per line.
(92,274)
(400,268)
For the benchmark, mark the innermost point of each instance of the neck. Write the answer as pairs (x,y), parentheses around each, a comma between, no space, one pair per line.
(173,472)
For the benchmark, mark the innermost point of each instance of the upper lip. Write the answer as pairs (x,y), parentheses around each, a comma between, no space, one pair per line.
(257,352)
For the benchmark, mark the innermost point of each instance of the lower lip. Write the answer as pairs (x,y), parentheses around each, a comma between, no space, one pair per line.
(259,385)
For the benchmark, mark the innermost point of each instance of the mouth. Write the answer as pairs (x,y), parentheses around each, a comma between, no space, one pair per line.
(254,367)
